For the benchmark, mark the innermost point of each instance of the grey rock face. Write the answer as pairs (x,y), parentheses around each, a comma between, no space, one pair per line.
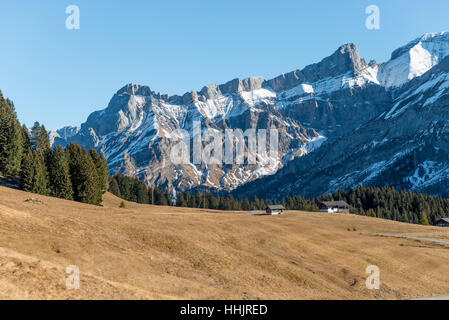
(345,59)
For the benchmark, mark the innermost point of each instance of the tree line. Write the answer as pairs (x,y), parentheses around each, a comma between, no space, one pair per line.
(380,202)
(133,189)
(71,173)
(398,205)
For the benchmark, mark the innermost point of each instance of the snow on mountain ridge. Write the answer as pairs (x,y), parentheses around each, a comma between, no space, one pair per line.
(414,59)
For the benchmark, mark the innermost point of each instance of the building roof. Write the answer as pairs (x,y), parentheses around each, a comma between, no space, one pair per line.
(275,207)
(445,220)
(335,204)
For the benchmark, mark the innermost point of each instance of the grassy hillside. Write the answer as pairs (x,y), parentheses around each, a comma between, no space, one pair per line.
(152,252)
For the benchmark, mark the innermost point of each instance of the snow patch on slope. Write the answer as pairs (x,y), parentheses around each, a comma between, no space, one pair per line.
(257,96)
(439,83)
(414,59)
(306,91)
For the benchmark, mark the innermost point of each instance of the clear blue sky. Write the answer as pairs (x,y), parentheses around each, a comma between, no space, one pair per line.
(59,76)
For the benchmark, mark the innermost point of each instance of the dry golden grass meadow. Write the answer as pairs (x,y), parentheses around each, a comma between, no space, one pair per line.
(152,252)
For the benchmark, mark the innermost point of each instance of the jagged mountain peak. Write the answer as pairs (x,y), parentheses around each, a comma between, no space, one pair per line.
(346,59)
(350,54)
(131,89)
(236,85)
(414,59)
(210,91)
(134,89)
(426,38)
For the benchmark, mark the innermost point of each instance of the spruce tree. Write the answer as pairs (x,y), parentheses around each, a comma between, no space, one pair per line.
(212,201)
(26,140)
(83,175)
(141,192)
(97,185)
(40,180)
(34,176)
(245,204)
(39,138)
(60,183)
(100,173)
(27,171)
(114,188)
(11,139)
(160,197)
(423,219)
(102,169)
(40,142)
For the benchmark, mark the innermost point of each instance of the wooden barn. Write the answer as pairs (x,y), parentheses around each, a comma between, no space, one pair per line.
(334,206)
(274,209)
(443,222)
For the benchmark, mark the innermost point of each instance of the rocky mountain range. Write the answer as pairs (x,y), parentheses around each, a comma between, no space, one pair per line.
(342,122)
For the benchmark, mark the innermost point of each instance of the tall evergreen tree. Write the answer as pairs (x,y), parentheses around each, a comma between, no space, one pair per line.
(27,171)
(39,137)
(26,140)
(245,204)
(83,175)
(114,188)
(101,168)
(423,219)
(40,181)
(160,197)
(11,139)
(60,183)
(40,142)
(34,176)
(126,188)
(101,174)
(141,191)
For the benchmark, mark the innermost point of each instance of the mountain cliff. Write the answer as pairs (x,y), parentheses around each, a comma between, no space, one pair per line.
(406,145)
(342,122)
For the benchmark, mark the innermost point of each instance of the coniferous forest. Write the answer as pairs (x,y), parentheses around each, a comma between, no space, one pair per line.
(381,202)
(133,189)
(75,173)
(71,173)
